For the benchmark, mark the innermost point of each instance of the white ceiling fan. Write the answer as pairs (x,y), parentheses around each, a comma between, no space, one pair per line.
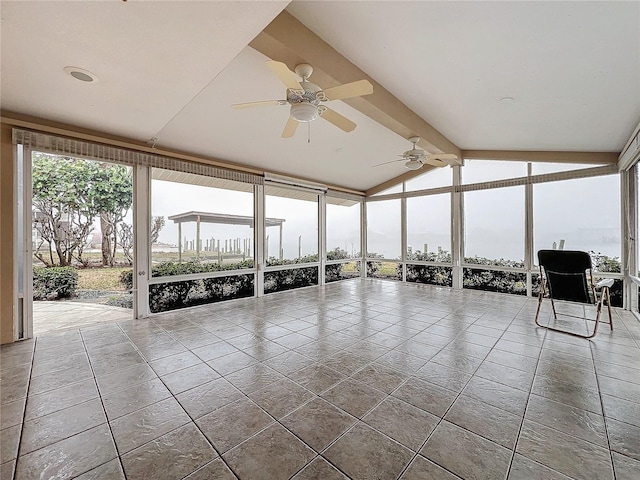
(415,158)
(306,98)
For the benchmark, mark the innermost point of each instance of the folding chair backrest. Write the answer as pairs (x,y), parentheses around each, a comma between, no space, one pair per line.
(566,274)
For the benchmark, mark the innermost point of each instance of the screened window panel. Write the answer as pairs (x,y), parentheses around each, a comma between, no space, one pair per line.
(291,225)
(494,226)
(582,214)
(429,228)
(477,171)
(343,230)
(206,225)
(539,168)
(438,177)
(390,190)
(384,229)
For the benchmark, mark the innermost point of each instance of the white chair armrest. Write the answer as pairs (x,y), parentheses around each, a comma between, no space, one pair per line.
(605,282)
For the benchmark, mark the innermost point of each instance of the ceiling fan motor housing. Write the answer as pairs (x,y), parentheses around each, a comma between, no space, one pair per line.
(304,112)
(413,164)
(304,108)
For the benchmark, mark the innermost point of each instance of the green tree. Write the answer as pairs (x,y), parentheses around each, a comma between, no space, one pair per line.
(64,210)
(113,197)
(68,195)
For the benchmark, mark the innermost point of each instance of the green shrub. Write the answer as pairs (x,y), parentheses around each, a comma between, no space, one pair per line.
(280,280)
(616,292)
(374,267)
(126,279)
(429,274)
(167,269)
(495,281)
(289,279)
(333,272)
(187,293)
(51,283)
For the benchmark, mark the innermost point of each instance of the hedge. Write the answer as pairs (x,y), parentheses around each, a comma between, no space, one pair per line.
(188,293)
(51,283)
(429,274)
(167,269)
(174,295)
(281,280)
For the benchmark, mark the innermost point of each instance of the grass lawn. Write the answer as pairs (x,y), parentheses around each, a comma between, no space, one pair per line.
(100,278)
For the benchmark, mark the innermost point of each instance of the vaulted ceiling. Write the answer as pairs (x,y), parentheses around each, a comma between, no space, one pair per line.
(465,76)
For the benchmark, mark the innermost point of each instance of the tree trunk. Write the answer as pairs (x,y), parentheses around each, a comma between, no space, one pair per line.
(107,231)
(61,257)
(115,243)
(50,254)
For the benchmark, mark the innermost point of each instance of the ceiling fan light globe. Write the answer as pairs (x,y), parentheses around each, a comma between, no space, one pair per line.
(304,112)
(413,164)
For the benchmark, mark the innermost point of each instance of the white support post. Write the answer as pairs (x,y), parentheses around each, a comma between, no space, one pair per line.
(528,233)
(363,239)
(142,248)
(629,222)
(23,241)
(259,240)
(457,228)
(322,237)
(403,235)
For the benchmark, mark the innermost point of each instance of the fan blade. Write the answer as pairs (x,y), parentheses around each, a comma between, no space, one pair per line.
(290,128)
(284,74)
(444,156)
(434,162)
(338,120)
(438,159)
(348,90)
(392,161)
(266,103)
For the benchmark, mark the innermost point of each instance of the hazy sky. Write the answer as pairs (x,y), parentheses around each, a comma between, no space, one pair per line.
(583,212)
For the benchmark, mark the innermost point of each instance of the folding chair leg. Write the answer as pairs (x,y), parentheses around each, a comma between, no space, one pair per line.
(540,295)
(606,290)
(553,307)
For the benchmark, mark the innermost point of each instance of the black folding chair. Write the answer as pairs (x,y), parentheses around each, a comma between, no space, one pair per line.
(567,275)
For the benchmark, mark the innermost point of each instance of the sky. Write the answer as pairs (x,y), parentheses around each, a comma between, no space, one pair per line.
(585,213)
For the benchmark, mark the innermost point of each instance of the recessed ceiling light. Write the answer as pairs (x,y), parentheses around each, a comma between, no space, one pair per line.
(507,99)
(81,74)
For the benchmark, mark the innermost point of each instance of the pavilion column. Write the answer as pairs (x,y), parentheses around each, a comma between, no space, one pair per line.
(198,237)
(280,252)
(180,242)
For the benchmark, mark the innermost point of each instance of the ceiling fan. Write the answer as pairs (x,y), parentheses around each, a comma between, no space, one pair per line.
(306,98)
(415,158)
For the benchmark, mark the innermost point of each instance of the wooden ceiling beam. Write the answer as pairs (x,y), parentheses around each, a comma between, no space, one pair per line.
(596,158)
(287,40)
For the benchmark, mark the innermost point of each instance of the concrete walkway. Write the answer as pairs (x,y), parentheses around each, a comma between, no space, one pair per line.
(59,315)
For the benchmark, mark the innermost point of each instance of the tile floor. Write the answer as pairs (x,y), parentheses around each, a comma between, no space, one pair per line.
(51,316)
(362,379)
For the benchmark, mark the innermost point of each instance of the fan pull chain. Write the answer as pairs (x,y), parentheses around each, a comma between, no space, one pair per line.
(308,132)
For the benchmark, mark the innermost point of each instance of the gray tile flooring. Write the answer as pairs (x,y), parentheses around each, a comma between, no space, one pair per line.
(49,317)
(362,379)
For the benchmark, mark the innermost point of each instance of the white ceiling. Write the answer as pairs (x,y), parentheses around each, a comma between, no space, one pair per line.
(151,58)
(171,69)
(572,68)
